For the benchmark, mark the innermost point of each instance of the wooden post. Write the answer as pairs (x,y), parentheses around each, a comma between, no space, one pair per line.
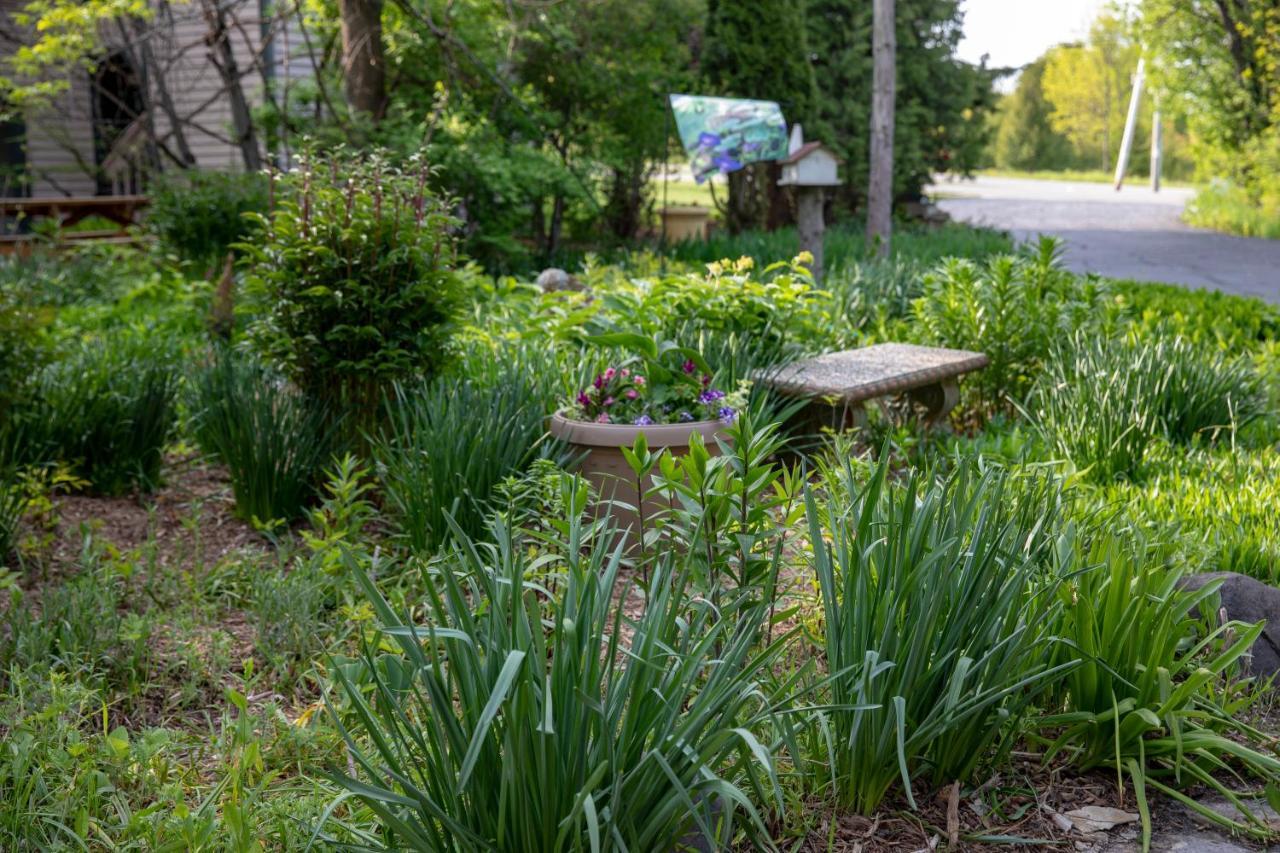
(810,225)
(1126,144)
(883,85)
(1156,154)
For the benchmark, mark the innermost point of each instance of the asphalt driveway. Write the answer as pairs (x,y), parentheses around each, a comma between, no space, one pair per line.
(1134,233)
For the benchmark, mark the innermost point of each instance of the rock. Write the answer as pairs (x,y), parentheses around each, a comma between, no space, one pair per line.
(1248,600)
(554,278)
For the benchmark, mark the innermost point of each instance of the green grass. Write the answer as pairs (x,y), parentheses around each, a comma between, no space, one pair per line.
(1226,207)
(1086,176)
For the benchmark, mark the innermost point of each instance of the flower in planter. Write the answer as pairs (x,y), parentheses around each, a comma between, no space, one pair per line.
(663,383)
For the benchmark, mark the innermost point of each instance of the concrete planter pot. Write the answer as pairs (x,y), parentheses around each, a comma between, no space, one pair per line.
(603,465)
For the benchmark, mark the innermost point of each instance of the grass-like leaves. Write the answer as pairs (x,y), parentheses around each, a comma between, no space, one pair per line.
(529,716)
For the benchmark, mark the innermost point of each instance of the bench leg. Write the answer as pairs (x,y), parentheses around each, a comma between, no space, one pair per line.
(840,417)
(938,399)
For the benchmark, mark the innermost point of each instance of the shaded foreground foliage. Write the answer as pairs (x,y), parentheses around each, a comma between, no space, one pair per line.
(444,651)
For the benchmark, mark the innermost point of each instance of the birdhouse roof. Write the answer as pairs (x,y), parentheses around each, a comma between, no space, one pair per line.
(805,150)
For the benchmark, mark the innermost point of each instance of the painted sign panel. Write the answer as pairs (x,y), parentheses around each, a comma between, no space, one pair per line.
(722,135)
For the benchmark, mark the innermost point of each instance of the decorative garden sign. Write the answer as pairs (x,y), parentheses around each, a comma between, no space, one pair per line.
(722,135)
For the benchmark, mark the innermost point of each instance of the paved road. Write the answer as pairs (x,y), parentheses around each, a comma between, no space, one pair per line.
(1134,233)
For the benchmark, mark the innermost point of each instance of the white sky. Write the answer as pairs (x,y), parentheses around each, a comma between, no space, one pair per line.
(1014,32)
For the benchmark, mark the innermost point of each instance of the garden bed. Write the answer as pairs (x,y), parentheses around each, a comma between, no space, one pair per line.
(210,624)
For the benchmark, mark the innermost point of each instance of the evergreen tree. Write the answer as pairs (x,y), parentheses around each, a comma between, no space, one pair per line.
(759,49)
(1025,139)
(941,103)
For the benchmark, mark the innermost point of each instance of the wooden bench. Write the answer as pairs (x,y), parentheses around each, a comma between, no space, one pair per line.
(839,383)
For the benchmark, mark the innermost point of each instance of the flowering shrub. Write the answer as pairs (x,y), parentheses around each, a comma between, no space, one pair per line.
(665,384)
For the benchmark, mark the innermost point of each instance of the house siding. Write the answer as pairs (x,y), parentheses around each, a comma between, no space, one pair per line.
(60,141)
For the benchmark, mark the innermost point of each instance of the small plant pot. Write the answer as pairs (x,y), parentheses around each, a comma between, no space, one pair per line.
(599,447)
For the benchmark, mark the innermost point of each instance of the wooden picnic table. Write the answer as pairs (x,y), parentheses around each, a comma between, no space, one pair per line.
(839,383)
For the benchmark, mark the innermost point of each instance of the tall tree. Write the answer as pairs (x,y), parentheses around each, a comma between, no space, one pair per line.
(1025,138)
(941,102)
(883,88)
(364,63)
(759,49)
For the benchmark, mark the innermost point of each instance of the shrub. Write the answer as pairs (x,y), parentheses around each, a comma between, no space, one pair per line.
(935,625)
(1012,308)
(450,441)
(519,720)
(107,410)
(13,502)
(353,279)
(274,442)
(1151,694)
(199,215)
(21,348)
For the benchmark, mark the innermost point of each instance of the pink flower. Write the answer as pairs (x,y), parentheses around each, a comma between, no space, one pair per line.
(602,418)
(609,401)
(625,373)
(639,381)
(632,393)
(609,374)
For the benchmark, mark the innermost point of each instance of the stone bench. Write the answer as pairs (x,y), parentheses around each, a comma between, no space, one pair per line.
(839,383)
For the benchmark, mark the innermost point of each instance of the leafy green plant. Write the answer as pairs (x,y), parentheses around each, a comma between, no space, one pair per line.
(936,626)
(450,441)
(1103,401)
(516,718)
(201,214)
(1151,696)
(353,279)
(107,409)
(1097,405)
(1012,308)
(1207,391)
(13,503)
(274,442)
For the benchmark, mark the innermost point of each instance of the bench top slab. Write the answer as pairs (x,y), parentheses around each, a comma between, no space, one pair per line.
(855,375)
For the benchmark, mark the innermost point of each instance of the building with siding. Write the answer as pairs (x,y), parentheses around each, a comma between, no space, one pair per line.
(159,98)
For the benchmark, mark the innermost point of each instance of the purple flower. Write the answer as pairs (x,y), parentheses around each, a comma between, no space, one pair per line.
(686,417)
(599,383)
(608,401)
(583,399)
(708,140)
(710,396)
(689,366)
(643,420)
(726,414)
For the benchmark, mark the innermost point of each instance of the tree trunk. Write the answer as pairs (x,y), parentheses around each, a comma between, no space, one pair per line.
(363,60)
(223,58)
(883,86)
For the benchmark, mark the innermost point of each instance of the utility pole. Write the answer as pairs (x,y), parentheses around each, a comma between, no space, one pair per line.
(1126,144)
(1156,153)
(883,86)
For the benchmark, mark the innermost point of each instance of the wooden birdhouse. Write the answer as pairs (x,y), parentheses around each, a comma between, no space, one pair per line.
(808,164)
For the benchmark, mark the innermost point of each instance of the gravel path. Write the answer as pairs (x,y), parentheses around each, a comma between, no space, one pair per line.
(1134,233)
